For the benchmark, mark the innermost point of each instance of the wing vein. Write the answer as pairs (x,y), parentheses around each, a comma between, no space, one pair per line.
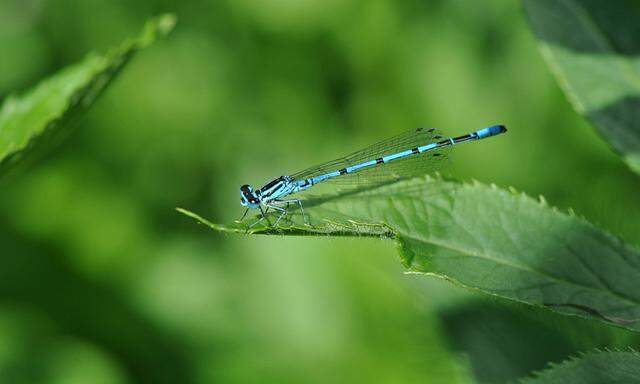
(407,167)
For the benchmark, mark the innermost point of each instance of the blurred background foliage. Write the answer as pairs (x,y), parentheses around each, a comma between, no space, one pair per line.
(102,281)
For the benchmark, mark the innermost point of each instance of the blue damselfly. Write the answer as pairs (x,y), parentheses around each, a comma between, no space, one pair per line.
(406,155)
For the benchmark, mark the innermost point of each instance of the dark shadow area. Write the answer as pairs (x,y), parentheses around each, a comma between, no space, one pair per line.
(371,190)
(506,341)
(315,200)
(503,344)
(33,276)
(620,123)
(615,23)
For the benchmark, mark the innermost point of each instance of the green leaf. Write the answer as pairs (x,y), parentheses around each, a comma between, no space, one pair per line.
(504,341)
(602,367)
(499,242)
(43,113)
(593,49)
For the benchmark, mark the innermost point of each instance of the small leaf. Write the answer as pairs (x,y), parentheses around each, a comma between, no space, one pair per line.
(601,367)
(593,49)
(43,113)
(504,342)
(485,238)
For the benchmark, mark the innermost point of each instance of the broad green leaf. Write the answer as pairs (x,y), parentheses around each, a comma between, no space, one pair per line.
(499,242)
(43,113)
(593,49)
(602,367)
(504,341)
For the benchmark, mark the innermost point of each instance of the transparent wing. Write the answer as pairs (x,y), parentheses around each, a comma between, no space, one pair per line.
(399,169)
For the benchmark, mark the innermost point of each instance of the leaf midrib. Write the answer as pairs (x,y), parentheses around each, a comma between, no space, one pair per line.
(470,253)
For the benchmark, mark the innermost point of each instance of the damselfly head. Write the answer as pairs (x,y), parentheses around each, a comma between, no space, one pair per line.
(248,198)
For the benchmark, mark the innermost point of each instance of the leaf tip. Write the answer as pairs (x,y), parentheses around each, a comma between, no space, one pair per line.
(202,220)
(158,26)
(188,213)
(166,23)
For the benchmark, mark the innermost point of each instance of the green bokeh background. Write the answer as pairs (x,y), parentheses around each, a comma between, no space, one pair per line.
(102,281)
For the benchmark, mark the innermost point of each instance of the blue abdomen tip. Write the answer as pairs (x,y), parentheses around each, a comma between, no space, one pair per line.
(491,131)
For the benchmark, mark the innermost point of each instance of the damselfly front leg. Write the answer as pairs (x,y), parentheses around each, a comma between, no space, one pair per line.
(263,217)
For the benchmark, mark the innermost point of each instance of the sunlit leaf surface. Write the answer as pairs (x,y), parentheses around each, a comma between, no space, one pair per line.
(500,242)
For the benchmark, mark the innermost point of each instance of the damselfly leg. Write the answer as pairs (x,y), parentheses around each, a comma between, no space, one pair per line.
(263,216)
(277,206)
(305,219)
(282,211)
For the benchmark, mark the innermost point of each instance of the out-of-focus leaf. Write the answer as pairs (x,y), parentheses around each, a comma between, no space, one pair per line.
(504,342)
(482,237)
(43,113)
(593,49)
(594,368)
